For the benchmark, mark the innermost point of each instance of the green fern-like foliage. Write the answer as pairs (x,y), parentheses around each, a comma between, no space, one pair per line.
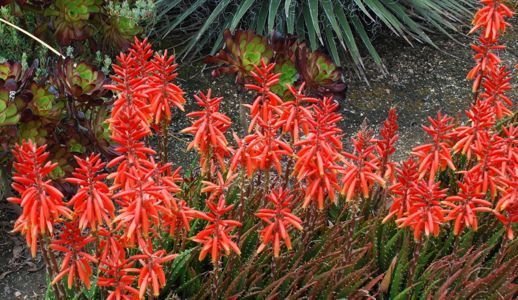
(343,27)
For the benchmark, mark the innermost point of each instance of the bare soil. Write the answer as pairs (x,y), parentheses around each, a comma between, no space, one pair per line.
(422,81)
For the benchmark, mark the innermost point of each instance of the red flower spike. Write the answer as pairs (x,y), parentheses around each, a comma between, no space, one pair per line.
(506,209)
(266,149)
(76,262)
(487,61)
(115,274)
(92,201)
(141,52)
(216,235)
(152,272)
(491,19)
(130,89)
(318,154)
(436,156)
(359,174)
(385,147)
(279,221)
(163,93)
(481,119)
(42,204)
(295,114)
(487,170)
(425,213)
(495,85)
(242,156)
(180,217)
(140,208)
(264,104)
(128,133)
(465,205)
(218,189)
(509,147)
(209,129)
(401,191)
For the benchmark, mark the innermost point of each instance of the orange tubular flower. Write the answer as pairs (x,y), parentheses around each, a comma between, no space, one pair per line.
(92,201)
(116,275)
(163,92)
(495,85)
(406,176)
(180,217)
(486,61)
(76,262)
(42,204)
(242,156)
(318,155)
(264,104)
(360,170)
(425,213)
(151,273)
(385,147)
(482,119)
(295,115)
(131,90)
(266,148)
(217,189)
(209,130)
(509,147)
(216,235)
(506,209)
(140,208)
(128,132)
(465,205)
(488,168)
(279,221)
(491,19)
(436,156)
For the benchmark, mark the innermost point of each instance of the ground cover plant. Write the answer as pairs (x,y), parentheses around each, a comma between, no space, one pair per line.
(288,208)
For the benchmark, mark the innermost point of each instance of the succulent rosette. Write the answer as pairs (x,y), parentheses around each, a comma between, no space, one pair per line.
(319,72)
(44,103)
(80,81)
(243,50)
(120,31)
(70,18)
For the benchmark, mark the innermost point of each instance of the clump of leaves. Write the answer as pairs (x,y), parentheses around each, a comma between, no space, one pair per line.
(293,61)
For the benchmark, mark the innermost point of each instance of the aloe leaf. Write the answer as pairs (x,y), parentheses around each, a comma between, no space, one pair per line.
(261,19)
(310,28)
(330,14)
(241,11)
(215,13)
(313,13)
(183,16)
(272,13)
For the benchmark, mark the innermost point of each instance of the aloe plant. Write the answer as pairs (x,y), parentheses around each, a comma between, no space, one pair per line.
(344,27)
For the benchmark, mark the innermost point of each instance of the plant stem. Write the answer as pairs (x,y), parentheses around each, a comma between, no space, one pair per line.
(52,269)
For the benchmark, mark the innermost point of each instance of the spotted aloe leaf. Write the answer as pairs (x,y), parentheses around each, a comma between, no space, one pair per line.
(243,50)
(320,73)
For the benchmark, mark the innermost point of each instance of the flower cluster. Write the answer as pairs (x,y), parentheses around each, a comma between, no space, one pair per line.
(486,159)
